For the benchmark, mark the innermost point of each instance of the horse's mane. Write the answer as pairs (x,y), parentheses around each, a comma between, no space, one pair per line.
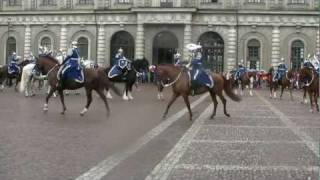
(52,59)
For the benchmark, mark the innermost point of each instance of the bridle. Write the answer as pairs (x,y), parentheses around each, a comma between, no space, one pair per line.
(173,82)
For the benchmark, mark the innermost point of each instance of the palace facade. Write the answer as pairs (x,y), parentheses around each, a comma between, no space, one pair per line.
(260,32)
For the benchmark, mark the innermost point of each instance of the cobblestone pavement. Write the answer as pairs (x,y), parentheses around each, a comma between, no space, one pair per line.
(265,139)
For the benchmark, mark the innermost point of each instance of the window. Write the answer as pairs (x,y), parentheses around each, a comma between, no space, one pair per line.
(209,1)
(47,2)
(254,53)
(11,47)
(83,45)
(124,1)
(46,42)
(85,2)
(297,54)
(13,2)
(298,1)
(255,1)
(166,3)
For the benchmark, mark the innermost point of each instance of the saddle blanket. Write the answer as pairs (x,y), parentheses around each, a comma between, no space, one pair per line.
(200,78)
(73,71)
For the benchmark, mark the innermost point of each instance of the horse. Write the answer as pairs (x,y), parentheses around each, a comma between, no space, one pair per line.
(286,82)
(94,79)
(180,81)
(245,79)
(129,77)
(311,80)
(6,78)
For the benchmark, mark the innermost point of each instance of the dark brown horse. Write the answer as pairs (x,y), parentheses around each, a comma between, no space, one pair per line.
(246,79)
(180,81)
(286,82)
(94,79)
(6,78)
(311,80)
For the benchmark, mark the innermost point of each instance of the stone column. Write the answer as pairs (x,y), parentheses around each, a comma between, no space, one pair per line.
(231,49)
(275,53)
(139,42)
(186,40)
(27,42)
(318,39)
(101,45)
(63,38)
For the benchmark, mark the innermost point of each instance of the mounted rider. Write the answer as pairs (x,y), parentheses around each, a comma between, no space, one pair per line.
(307,62)
(313,62)
(70,67)
(121,66)
(31,58)
(177,59)
(281,70)
(13,67)
(199,77)
(240,70)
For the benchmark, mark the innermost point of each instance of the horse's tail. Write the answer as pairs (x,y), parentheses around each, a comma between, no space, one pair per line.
(23,81)
(228,90)
(107,83)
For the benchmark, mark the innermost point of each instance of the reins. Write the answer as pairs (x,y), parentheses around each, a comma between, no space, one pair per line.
(173,82)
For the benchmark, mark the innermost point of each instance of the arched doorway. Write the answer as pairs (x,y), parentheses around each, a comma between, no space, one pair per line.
(46,42)
(124,40)
(213,51)
(10,48)
(83,45)
(297,54)
(254,54)
(164,47)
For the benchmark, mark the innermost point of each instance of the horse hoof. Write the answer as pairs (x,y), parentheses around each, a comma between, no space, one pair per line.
(228,115)
(83,111)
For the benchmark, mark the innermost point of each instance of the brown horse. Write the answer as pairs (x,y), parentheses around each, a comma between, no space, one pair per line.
(94,79)
(286,82)
(311,80)
(246,79)
(180,81)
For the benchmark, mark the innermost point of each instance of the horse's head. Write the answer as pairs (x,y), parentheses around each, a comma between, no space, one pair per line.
(45,63)
(140,64)
(167,71)
(305,75)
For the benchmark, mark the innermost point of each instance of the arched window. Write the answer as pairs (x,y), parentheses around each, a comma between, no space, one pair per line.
(254,54)
(11,47)
(124,40)
(46,42)
(83,45)
(164,47)
(297,54)
(213,51)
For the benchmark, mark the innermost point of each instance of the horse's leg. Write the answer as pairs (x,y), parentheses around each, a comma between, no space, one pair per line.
(305,96)
(89,100)
(187,102)
(129,91)
(60,91)
(173,98)
(316,101)
(215,103)
(224,101)
(109,96)
(282,89)
(125,93)
(45,108)
(251,80)
(290,90)
(311,101)
(17,82)
(103,97)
